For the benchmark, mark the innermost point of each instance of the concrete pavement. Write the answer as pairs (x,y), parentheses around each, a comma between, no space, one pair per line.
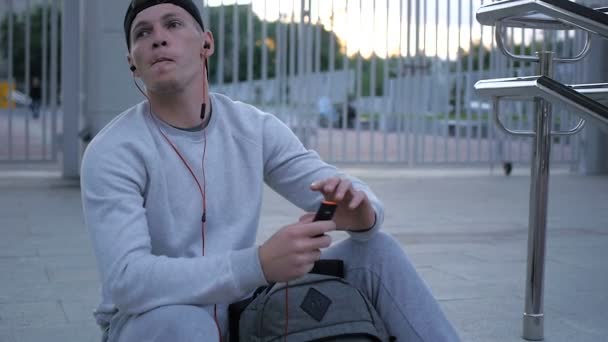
(465,231)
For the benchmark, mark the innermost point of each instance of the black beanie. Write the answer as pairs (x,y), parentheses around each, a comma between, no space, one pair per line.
(137,6)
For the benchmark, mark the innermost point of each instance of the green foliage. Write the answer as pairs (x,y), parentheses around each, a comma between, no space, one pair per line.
(271,42)
(518,49)
(36,43)
(474,51)
(366,77)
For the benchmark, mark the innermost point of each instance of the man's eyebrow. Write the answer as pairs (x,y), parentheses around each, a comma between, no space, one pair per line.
(163,18)
(170,16)
(140,23)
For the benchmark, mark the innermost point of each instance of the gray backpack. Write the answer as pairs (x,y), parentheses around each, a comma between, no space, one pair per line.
(319,308)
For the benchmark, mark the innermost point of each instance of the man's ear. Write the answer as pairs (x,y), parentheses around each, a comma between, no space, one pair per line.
(207,45)
(132,66)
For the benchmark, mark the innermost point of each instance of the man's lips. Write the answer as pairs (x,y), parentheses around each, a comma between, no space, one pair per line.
(162,59)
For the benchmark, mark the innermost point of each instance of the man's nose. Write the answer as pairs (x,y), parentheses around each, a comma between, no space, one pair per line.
(158,43)
(159,38)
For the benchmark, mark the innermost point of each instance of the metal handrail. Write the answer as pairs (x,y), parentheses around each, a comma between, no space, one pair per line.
(595,91)
(496,108)
(499,34)
(545,14)
(490,88)
(587,99)
(552,91)
(542,21)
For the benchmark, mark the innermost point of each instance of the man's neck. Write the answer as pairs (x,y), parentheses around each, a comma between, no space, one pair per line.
(183,109)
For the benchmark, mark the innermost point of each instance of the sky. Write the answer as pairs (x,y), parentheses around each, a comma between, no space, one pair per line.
(444,25)
(384,24)
(379,28)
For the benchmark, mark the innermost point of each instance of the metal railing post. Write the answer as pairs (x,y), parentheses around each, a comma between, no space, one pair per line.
(545,91)
(543,15)
(539,188)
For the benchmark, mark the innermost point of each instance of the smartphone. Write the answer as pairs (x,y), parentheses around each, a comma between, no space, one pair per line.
(326,211)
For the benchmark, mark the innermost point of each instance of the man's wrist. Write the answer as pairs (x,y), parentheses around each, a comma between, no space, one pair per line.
(367,229)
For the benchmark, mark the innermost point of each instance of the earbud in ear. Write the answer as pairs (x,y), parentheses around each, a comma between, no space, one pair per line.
(133,68)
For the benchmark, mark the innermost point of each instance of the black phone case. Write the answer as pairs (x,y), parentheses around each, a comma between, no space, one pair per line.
(325,212)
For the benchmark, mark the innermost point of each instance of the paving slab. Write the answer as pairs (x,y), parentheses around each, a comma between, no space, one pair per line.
(465,231)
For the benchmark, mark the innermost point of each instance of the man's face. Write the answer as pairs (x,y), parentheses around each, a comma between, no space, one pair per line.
(166,48)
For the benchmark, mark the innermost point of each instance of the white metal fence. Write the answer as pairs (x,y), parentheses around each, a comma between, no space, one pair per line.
(414,105)
(30,116)
(374,81)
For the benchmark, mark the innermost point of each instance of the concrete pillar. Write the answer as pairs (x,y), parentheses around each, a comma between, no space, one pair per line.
(107,84)
(71,86)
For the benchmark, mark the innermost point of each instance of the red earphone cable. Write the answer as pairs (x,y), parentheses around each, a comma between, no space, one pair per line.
(200,188)
(286,309)
(219,331)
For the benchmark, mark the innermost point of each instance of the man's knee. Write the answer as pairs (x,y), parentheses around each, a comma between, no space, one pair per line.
(384,240)
(380,243)
(377,249)
(170,323)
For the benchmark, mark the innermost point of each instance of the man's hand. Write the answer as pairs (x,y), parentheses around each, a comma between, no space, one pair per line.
(292,251)
(354,211)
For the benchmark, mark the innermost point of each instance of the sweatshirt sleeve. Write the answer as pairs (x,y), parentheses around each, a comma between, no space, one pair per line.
(112,184)
(289,169)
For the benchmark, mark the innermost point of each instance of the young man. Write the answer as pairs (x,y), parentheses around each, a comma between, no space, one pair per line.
(172,190)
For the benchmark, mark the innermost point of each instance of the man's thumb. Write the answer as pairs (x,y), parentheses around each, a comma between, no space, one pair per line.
(307,218)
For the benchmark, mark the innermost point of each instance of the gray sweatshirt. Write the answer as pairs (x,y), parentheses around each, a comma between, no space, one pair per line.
(143,208)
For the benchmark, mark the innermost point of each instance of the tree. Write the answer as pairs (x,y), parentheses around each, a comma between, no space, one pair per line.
(474,51)
(36,42)
(271,43)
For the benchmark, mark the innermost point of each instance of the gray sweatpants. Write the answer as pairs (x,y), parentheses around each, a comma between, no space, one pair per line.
(378,267)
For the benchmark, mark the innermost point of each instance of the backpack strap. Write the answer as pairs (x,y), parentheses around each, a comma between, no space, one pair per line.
(235,310)
(329,267)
